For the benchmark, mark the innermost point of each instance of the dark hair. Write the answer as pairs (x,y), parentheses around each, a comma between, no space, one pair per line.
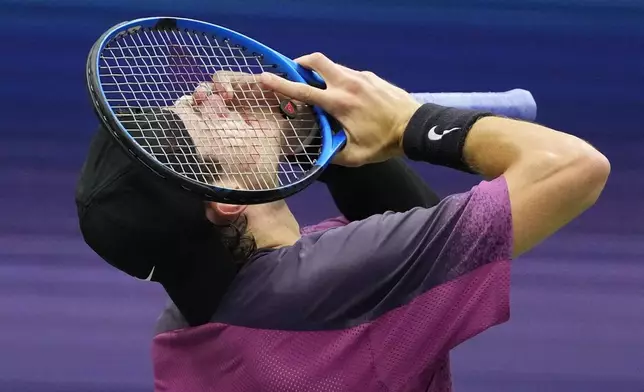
(236,238)
(176,149)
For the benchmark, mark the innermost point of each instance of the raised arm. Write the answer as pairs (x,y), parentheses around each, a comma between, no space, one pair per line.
(552,177)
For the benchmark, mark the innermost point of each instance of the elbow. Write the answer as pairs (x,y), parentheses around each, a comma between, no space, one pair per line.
(598,167)
(578,169)
(592,169)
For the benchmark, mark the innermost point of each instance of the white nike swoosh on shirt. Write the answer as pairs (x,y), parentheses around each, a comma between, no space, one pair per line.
(149,278)
(432,135)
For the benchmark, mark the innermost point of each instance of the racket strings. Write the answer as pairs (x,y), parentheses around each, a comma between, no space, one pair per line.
(236,134)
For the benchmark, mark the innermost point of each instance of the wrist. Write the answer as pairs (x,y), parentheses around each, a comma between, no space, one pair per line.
(437,134)
(401,126)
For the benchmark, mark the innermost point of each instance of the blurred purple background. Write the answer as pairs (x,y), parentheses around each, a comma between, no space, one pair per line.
(69,322)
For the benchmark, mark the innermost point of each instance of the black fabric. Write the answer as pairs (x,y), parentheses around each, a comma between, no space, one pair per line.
(136,222)
(447,150)
(163,134)
(360,192)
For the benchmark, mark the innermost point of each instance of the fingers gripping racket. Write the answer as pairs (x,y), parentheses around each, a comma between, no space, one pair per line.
(181,96)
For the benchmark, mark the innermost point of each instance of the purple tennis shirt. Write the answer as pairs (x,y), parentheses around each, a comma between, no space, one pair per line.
(372,305)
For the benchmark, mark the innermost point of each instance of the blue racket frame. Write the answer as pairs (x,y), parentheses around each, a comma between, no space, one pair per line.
(515,103)
(332,139)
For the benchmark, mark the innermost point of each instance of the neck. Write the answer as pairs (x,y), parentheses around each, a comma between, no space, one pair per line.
(272,225)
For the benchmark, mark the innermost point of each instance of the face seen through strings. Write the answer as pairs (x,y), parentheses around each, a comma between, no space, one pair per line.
(236,124)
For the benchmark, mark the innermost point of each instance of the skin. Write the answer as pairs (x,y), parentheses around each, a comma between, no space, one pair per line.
(250,140)
(251,131)
(552,177)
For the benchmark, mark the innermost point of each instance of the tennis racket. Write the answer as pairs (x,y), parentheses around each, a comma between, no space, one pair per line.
(181,96)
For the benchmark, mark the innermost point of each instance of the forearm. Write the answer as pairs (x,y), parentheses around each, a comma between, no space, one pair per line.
(497,145)
(552,177)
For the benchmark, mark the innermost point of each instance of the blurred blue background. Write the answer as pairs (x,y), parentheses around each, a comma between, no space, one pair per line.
(68,322)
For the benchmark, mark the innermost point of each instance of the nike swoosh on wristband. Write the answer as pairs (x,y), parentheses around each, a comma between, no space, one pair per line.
(432,135)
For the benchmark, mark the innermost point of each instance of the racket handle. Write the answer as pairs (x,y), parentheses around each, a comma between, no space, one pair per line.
(515,103)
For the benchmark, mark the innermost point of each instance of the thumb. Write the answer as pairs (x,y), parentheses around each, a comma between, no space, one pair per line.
(294,90)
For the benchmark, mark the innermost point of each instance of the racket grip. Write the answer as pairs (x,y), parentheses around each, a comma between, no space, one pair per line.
(517,103)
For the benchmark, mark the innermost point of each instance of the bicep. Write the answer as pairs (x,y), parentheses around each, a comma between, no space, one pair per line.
(551,177)
(546,195)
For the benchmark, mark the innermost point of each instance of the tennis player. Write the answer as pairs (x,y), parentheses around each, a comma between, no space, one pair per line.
(374,304)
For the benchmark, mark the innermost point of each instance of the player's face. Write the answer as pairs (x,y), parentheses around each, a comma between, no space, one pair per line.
(243,141)
(235,123)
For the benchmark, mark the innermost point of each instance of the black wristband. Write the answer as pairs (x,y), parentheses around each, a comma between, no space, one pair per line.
(436,134)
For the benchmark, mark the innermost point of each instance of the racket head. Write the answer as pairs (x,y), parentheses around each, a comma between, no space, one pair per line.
(191,48)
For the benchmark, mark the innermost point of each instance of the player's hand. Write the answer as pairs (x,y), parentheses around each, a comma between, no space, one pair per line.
(374,113)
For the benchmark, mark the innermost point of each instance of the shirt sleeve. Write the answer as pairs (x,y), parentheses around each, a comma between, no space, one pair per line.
(459,288)
(444,262)
(325,225)
(390,295)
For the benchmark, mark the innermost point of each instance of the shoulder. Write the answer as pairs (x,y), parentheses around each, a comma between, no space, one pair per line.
(357,271)
(341,274)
